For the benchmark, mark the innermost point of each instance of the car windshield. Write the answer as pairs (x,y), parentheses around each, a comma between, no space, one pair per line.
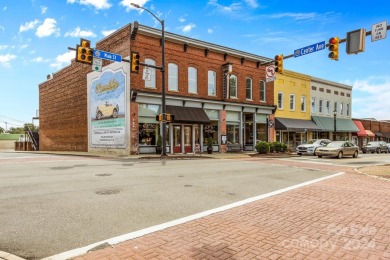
(335,144)
(373,143)
(312,141)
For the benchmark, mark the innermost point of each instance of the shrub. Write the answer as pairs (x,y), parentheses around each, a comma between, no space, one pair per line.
(262,147)
(277,146)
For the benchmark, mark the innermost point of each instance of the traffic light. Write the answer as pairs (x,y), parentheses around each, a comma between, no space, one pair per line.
(170,117)
(84,53)
(159,117)
(279,63)
(134,62)
(334,48)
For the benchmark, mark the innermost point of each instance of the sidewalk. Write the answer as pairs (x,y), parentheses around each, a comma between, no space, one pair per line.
(345,217)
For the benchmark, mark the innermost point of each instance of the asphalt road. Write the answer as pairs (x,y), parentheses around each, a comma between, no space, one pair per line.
(54,203)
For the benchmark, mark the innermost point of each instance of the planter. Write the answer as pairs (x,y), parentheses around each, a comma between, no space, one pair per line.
(158,150)
(209,150)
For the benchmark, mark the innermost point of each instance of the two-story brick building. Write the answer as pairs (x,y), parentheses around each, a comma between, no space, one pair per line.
(212,90)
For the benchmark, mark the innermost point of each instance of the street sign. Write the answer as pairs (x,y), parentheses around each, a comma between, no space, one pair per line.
(310,49)
(97,64)
(379,31)
(270,73)
(147,74)
(107,55)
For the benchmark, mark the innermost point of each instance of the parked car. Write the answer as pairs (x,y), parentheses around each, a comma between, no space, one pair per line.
(338,149)
(311,146)
(375,147)
(388,147)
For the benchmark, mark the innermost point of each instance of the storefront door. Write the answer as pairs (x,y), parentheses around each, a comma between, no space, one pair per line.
(177,139)
(188,139)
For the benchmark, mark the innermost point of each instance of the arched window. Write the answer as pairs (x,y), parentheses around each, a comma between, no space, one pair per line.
(192,80)
(211,80)
(173,83)
(233,86)
(152,82)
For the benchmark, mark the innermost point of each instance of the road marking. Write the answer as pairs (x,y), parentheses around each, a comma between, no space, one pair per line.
(116,240)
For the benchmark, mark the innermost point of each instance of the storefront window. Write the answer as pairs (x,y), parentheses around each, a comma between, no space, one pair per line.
(210,130)
(148,133)
(261,132)
(232,133)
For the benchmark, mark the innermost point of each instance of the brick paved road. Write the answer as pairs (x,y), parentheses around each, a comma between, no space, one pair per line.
(346,217)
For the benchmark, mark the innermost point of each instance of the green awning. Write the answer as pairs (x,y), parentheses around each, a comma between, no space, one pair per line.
(342,124)
(295,125)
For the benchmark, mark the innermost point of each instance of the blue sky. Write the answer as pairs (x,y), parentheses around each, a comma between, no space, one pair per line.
(35,36)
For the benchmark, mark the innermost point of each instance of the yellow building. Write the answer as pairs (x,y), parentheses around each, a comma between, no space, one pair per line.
(293,124)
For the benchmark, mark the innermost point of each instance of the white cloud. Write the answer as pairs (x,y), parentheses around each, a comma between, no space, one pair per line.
(77,32)
(225,9)
(182,19)
(210,30)
(5,59)
(39,60)
(127,4)
(252,3)
(4,8)
(28,26)
(63,60)
(43,9)
(2,28)
(3,47)
(369,96)
(108,32)
(24,46)
(188,28)
(47,28)
(98,4)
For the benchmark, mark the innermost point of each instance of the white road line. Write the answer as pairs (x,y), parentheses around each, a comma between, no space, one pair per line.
(142,232)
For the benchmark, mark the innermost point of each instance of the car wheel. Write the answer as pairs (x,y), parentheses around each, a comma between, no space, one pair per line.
(115,113)
(355,154)
(364,151)
(314,153)
(340,155)
(99,115)
(319,156)
(299,154)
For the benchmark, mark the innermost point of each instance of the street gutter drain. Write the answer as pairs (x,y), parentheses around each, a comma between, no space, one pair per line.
(103,174)
(107,192)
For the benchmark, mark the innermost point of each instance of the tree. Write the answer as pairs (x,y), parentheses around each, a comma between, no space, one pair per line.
(2,131)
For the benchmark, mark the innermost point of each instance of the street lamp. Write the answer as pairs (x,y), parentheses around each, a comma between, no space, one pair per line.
(334,124)
(163,108)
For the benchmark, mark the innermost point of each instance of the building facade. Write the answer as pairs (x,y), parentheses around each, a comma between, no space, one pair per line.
(212,91)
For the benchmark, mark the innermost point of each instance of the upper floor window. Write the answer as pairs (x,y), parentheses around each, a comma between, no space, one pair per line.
(262,91)
(348,110)
(173,83)
(211,80)
(313,105)
(280,100)
(292,102)
(192,80)
(320,106)
(303,104)
(328,107)
(233,86)
(342,109)
(152,82)
(248,83)
(335,107)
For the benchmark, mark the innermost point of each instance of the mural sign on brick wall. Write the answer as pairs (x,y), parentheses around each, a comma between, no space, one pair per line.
(107,110)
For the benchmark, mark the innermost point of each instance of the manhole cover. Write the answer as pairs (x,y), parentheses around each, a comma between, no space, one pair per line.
(103,174)
(107,192)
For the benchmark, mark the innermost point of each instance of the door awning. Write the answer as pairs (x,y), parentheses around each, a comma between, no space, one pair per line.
(362,132)
(295,125)
(369,133)
(190,115)
(379,134)
(342,124)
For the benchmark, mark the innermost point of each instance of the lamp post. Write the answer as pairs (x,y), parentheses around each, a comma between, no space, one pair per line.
(163,108)
(334,124)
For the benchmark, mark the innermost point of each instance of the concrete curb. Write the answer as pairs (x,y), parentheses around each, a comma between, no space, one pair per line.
(8,256)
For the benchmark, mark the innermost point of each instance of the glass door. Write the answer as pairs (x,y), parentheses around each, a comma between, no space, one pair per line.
(177,139)
(188,139)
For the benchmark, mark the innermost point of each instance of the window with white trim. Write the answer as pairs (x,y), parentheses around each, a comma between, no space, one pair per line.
(262,91)
(303,103)
(211,80)
(233,86)
(292,102)
(248,83)
(313,105)
(192,80)
(280,100)
(152,82)
(173,83)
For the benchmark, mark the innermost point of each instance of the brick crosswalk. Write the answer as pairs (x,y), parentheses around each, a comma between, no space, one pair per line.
(345,217)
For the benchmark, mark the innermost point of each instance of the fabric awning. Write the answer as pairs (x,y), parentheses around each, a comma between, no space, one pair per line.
(342,124)
(192,115)
(379,134)
(295,125)
(387,135)
(359,125)
(369,133)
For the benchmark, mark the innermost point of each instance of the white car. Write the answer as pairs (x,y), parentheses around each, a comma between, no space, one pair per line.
(311,146)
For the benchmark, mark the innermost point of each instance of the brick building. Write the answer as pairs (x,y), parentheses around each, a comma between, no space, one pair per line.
(213,91)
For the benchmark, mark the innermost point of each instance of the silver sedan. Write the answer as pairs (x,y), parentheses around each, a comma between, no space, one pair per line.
(338,149)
